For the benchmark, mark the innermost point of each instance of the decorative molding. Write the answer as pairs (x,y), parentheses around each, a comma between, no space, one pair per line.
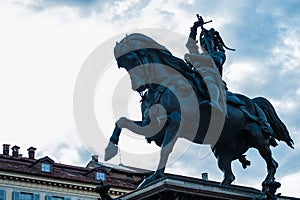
(47,182)
(58,184)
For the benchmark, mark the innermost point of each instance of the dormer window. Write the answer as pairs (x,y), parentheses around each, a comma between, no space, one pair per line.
(46,167)
(100,176)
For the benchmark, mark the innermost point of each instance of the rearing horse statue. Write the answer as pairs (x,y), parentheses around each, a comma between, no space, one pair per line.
(176,103)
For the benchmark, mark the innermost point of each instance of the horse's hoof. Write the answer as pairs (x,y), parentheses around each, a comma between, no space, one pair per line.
(224,183)
(270,185)
(156,175)
(110,151)
(146,182)
(227,182)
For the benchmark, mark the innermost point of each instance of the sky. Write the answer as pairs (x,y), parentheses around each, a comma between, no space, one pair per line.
(45,44)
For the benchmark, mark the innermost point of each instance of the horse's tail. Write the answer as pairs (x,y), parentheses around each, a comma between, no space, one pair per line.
(280,130)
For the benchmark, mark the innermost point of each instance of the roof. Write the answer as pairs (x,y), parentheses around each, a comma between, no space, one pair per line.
(115,175)
(120,168)
(32,167)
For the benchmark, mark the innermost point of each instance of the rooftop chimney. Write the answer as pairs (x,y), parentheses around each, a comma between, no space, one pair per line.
(95,158)
(6,149)
(204,176)
(31,152)
(15,152)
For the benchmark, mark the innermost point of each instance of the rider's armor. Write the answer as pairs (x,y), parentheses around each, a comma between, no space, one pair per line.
(206,64)
(216,51)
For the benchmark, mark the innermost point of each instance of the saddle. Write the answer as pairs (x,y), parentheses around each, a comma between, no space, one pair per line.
(259,116)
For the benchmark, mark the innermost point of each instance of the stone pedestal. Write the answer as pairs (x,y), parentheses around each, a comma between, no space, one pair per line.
(184,188)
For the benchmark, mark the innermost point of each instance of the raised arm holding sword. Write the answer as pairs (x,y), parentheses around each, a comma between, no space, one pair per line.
(209,63)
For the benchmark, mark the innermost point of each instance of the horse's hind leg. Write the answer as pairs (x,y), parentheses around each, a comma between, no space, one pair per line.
(224,164)
(272,165)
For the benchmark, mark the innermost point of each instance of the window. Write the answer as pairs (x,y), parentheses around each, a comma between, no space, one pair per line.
(46,167)
(57,198)
(2,194)
(25,196)
(100,176)
(50,197)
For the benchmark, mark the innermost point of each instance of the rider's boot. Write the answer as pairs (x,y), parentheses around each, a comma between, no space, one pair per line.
(214,98)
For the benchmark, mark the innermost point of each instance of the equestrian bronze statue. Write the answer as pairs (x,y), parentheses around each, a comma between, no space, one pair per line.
(188,99)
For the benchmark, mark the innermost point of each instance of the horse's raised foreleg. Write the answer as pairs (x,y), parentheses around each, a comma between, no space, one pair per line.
(135,126)
(170,138)
(145,128)
(115,136)
(112,148)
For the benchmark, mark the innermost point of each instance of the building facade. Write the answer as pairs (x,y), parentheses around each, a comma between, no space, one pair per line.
(28,178)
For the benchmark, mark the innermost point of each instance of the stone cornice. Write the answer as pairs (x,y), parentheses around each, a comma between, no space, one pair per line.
(42,182)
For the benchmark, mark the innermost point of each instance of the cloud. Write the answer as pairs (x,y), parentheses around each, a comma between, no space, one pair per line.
(42,5)
(292,181)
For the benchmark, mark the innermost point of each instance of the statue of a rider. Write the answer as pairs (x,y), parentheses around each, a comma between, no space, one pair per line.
(210,65)
(210,62)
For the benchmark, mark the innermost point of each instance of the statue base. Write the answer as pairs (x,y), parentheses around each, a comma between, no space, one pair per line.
(173,188)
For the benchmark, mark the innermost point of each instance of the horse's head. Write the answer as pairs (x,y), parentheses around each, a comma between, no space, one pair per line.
(132,53)
(133,64)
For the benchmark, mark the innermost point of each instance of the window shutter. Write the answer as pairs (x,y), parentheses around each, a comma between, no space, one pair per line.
(15,195)
(2,194)
(36,196)
(48,197)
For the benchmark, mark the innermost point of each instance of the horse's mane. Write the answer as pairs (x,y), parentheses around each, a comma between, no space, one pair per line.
(158,53)
(136,41)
